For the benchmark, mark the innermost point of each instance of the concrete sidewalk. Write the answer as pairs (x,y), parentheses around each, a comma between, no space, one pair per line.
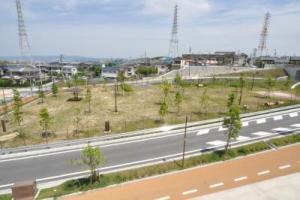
(285,187)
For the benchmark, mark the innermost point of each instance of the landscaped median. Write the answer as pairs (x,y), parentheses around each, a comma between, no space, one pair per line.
(79,185)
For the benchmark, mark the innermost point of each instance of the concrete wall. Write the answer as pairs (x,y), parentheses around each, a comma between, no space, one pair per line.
(293,71)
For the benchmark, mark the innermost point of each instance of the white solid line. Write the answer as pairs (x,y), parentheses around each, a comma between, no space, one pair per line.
(293,114)
(276,118)
(240,179)
(203,131)
(281,129)
(263,172)
(163,198)
(216,185)
(261,121)
(189,192)
(284,166)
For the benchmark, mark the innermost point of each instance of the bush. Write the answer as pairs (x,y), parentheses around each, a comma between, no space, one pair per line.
(126,87)
(146,71)
(286,140)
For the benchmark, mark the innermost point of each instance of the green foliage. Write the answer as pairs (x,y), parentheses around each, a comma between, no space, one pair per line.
(54,90)
(231,100)
(163,110)
(121,76)
(92,157)
(178,100)
(166,87)
(126,87)
(41,94)
(45,119)
(11,83)
(286,140)
(241,85)
(232,121)
(146,71)
(17,113)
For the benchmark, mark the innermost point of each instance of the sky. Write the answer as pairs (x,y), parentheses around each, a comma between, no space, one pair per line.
(131,28)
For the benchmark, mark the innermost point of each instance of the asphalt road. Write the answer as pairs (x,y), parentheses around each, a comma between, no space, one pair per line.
(140,151)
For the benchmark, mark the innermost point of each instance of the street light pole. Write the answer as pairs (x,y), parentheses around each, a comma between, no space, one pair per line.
(184,141)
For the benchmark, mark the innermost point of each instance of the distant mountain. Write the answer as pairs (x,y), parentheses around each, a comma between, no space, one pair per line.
(56,58)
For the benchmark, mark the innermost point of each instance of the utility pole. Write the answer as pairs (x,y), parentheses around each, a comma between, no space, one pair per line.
(184,142)
(116,106)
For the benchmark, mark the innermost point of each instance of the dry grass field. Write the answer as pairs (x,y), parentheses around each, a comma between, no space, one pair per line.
(137,109)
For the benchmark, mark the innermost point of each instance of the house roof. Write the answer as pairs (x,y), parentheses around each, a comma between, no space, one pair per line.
(20,68)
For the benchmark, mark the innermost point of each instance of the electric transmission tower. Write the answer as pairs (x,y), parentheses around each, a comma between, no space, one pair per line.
(173,49)
(264,34)
(23,39)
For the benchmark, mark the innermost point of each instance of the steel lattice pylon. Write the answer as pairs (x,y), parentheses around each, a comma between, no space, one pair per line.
(23,39)
(264,34)
(173,49)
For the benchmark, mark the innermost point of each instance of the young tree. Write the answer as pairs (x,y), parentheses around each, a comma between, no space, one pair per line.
(178,80)
(121,79)
(178,101)
(241,85)
(231,100)
(163,110)
(203,101)
(233,122)
(270,82)
(45,121)
(77,120)
(92,157)
(88,97)
(18,115)
(54,90)
(166,87)
(41,94)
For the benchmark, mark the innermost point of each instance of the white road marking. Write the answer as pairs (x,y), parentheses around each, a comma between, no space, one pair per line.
(190,192)
(281,129)
(261,121)
(296,125)
(163,198)
(222,128)
(216,185)
(245,124)
(279,117)
(284,167)
(261,133)
(263,172)
(240,179)
(242,138)
(216,143)
(203,131)
(295,114)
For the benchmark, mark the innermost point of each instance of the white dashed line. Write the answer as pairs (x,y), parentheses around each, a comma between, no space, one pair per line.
(216,143)
(240,179)
(293,114)
(263,172)
(276,118)
(285,167)
(245,124)
(203,131)
(216,185)
(222,128)
(163,198)
(261,121)
(261,133)
(242,138)
(296,125)
(280,129)
(190,192)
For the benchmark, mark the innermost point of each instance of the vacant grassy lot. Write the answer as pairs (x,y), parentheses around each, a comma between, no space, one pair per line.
(137,109)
